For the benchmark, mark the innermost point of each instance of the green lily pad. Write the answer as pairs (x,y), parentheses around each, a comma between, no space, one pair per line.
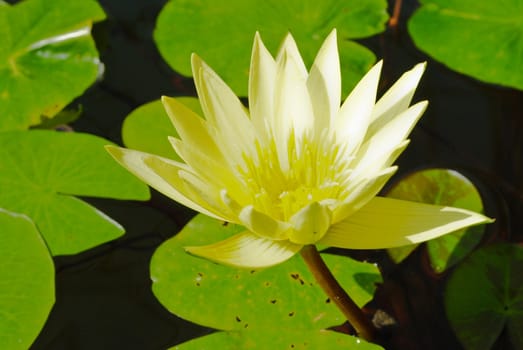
(148,127)
(277,339)
(485,295)
(442,187)
(223,35)
(40,170)
(26,281)
(47,58)
(482,39)
(228,298)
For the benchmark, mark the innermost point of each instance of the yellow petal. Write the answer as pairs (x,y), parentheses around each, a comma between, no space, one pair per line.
(224,111)
(324,83)
(211,169)
(293,107)
(360,193)
(191,127)
(262,78)
(375,152)
(262,224)
(290,49)
(163,175)
(396,99)
(387,223)
(354,116)
(247,250)
(310,224)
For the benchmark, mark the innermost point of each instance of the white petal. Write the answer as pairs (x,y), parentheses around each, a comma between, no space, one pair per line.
(262,224)
(310,224)
(224,111)
(261,84)
(387,223)
(375,152)
(290,49)
(190,127)
(354,116)
(324,83)
(211,170)
(396,99)
(247,250)
(164,175)
(361,193)
(293,106)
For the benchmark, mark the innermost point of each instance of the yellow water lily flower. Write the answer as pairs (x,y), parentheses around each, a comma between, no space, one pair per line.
(298,167)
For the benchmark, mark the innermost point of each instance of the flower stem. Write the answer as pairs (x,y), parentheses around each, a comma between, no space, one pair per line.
(336,293)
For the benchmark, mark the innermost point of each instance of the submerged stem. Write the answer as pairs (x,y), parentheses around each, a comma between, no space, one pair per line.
(336,293)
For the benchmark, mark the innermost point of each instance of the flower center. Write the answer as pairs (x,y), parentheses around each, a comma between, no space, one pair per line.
(316,172)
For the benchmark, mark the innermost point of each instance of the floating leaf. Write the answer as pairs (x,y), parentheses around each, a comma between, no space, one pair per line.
(275,338)
(47,58)
(482,39)
(485,294)
(26,281)
(147,128)
(223,35)
(227,298)
(442,187)
(40,170)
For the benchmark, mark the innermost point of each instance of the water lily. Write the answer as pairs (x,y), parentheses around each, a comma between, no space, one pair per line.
(298,167)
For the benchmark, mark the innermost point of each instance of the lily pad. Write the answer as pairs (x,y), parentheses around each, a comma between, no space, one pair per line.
(277,339)
(41,170)
(148,127)
(442,187)
(229,298)
(47,58)
(223,35)
(482,39)
(26,281)
(484,295)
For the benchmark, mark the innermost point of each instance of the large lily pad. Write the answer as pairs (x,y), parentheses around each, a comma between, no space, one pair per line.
(482,39)
(485,295)
(47,58)
(443,187)
(26,281)
(41,170)
(148,127)
(223,35)
(276,338)
(228,298)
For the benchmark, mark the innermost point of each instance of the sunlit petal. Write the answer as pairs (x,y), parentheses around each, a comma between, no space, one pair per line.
(191,127)
(386,223)
(374,153)
(324,83)
(262,78)
(396,99)
(223,110)
(360,193)
(354,116)
(247,250)
(163,175)
(310,223)
(262,224)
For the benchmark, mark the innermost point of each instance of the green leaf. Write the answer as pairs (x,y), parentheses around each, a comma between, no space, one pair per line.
(223,35)
(482,39)
(47,58)
(275,338)
(442,187)
(147,128)
(26,281)
(485,294)
(228,298)
(40,170)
